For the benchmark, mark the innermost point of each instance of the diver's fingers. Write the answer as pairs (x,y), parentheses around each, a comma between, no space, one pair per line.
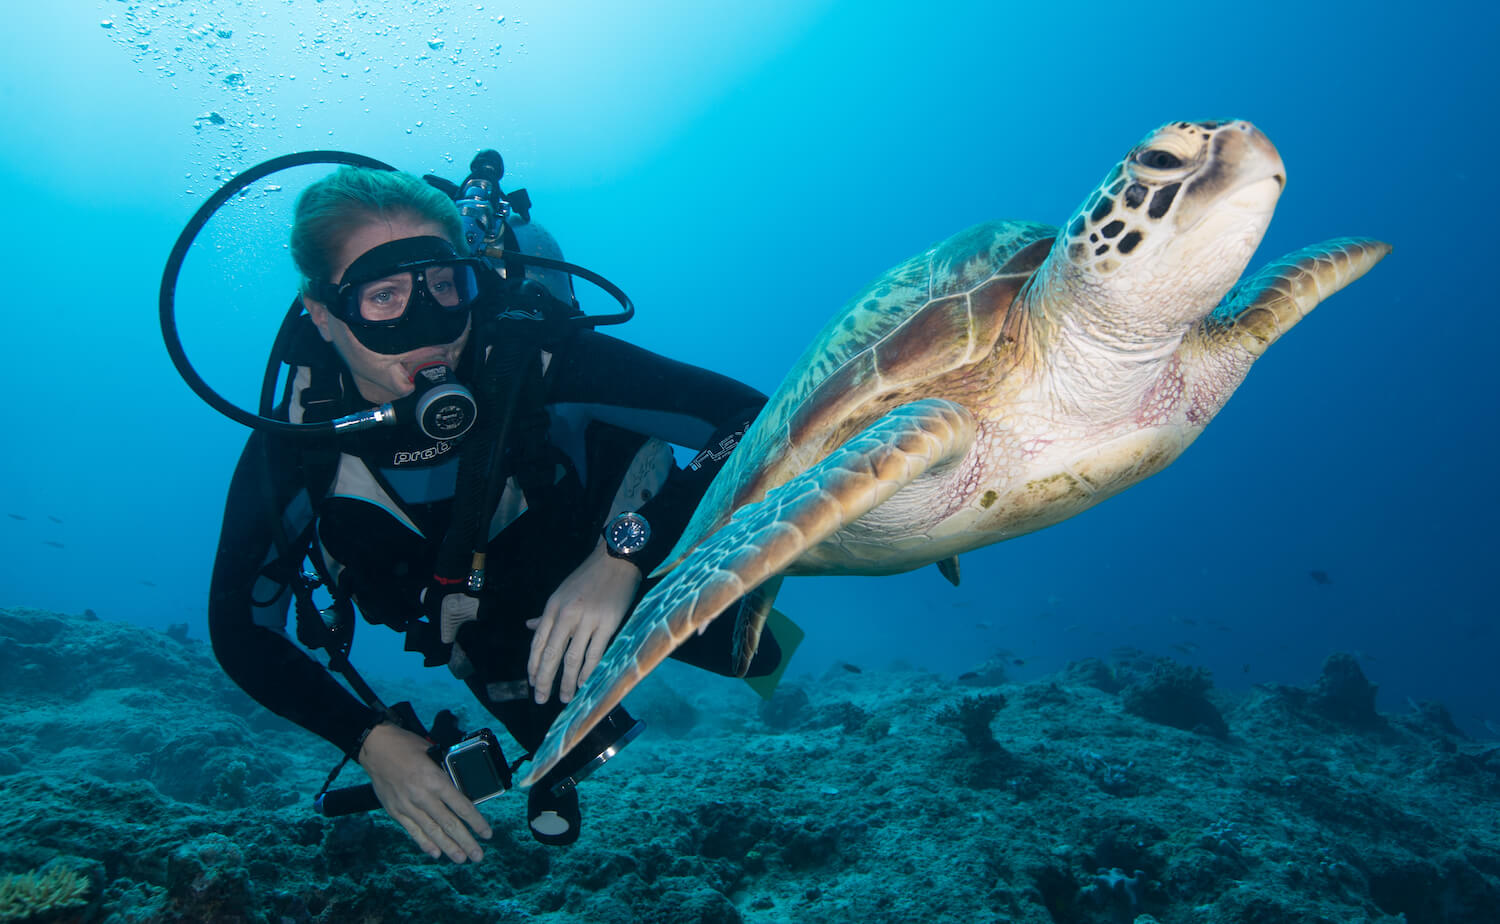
(544,626)
(430,835)
(597,645)
(468,813)
(546,669)
(447,831)
(414,831)
(548,658)
(573,662)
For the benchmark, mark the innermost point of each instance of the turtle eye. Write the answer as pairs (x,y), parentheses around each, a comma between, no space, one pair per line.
(1157,159)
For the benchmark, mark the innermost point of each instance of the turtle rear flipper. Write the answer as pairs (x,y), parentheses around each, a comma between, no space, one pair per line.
(760,542)
(750,622)
(948,567)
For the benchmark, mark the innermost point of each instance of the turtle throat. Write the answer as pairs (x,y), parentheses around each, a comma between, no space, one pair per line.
(1100,361)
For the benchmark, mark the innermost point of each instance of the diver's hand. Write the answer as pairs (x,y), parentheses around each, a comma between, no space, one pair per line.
(580,618)
(420,796)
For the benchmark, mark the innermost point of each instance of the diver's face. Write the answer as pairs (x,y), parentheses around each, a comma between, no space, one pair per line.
(379,377)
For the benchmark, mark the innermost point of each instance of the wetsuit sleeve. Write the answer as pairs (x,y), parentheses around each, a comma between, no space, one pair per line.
(247,613)
(647,393)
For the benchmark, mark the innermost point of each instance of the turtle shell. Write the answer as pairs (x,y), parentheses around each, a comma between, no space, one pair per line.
(941,310)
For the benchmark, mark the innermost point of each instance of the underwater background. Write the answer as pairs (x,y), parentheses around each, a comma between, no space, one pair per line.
(741,169)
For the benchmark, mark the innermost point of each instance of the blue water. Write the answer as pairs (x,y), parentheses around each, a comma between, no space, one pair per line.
(741,169)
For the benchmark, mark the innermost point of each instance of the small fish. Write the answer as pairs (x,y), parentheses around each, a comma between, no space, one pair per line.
(981,625)
(1018,662)
(148,583)
(968,675)
(55,545)
(54,519)
(1186,648)
(15,516)
(1245,669)
(850,667)
(1320,577)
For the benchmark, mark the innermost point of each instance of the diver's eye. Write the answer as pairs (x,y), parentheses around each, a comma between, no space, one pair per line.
(383,299)
(1157,159)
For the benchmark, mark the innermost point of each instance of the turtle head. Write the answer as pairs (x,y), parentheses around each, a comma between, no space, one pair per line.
(1172,226)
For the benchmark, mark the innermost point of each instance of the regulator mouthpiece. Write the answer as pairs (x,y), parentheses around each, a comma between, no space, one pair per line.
(439,407)
(444,409)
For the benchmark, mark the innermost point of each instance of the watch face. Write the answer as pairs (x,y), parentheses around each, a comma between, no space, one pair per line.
(628,534)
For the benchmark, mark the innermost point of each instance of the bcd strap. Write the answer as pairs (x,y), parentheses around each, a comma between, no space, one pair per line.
(481,462)
(527,455)
(322,400)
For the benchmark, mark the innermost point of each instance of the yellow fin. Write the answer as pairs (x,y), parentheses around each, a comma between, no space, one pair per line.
(788,636)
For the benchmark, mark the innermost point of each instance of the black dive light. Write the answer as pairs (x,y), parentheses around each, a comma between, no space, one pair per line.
(439,406)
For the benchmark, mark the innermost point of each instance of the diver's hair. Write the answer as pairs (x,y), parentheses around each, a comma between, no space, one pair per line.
(330,209)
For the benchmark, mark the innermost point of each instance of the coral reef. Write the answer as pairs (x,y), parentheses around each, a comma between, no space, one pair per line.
(878,796)
(1176,695)
(1344,695)
(42,896)
(972,717)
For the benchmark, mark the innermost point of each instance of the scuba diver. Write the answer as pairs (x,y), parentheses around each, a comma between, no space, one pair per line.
(504,523)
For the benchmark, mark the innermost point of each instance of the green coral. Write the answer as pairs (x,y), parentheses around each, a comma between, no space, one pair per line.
(28,895)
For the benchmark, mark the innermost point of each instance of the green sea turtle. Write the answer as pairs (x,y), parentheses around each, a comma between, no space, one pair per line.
(999,382)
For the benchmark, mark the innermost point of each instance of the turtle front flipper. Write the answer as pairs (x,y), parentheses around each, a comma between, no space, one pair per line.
(758,543)
(1216,355)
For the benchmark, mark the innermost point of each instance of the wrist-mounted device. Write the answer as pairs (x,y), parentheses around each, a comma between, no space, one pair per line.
(626,535)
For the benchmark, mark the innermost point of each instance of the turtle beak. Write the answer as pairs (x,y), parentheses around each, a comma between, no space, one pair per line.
(1243,170)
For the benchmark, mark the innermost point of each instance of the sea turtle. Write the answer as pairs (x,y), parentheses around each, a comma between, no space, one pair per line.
(999,382)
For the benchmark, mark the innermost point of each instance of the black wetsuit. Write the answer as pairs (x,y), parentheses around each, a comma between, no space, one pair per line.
(382,525)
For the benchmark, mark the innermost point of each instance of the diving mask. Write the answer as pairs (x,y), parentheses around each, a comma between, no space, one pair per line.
(406,294)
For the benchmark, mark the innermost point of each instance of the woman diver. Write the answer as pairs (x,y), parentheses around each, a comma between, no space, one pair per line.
(588,500)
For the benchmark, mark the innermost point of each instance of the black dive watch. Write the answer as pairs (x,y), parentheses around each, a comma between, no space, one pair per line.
(626,535)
